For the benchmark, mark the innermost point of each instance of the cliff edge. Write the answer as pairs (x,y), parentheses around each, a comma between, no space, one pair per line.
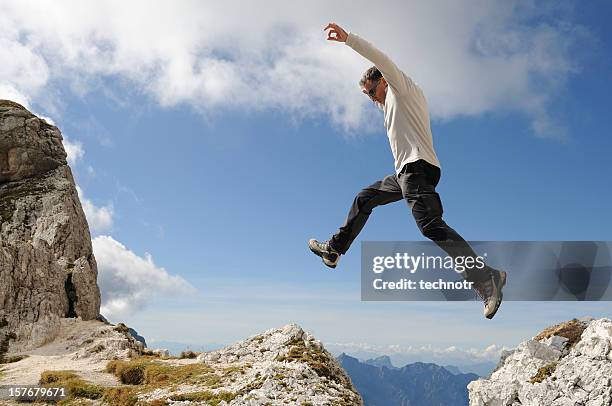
(47,267)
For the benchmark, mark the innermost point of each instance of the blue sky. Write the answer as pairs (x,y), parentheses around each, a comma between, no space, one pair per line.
(205,162)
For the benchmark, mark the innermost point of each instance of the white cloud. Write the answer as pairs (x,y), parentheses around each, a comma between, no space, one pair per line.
(99,218)
(74,150)
(471,57)
(129,282)
(9,92)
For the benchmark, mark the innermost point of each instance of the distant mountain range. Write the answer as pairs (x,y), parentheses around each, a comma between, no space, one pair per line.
(482,369)
(416,384)
(453,369)
(382,361)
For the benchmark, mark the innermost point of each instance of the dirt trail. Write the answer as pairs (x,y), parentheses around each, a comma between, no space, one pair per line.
(60,355)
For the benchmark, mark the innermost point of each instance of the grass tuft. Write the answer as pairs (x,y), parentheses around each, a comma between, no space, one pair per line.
(543,372)
(572,330)
(14,358)
(128,372)
(75,387)
(56,376)
(145,370)
(189,354)
(120,396)
(317,360)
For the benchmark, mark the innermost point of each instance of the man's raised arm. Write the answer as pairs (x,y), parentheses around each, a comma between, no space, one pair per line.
(392,74)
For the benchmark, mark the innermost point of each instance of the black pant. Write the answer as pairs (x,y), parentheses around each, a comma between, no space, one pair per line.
(417,184)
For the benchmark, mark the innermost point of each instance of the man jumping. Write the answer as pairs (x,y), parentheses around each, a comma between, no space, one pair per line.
(417,170)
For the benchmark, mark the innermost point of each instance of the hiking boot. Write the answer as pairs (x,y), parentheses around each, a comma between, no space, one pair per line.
(490,291)
(329,255)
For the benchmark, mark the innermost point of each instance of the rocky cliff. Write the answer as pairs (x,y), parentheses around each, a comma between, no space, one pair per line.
(47,267)
(565,365)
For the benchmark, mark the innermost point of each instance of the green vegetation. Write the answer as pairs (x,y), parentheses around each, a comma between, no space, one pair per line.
(77,389)
(236,369)
(122,328)
(572,330)
(543,372)
(75,386)
(189,354)
(128,372)
(148,370)
(144,374)
(56,376)
(316,359)
(121,396)
(81,389)
(14,358)
(320,362)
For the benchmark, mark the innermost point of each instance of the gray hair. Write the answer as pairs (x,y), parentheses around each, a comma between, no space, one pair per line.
(371,74)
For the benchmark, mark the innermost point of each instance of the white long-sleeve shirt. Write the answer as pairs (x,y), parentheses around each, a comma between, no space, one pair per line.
(405,109)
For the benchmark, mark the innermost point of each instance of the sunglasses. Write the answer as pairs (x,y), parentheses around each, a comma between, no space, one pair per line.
(372,91)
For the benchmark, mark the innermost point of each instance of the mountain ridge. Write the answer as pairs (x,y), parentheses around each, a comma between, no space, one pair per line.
(415,384)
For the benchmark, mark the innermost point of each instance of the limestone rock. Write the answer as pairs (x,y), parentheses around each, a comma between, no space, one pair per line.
(567,364)
(284,366)
(105,342)
(47,266)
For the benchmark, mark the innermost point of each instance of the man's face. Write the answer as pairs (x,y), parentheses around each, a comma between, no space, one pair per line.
(376,90)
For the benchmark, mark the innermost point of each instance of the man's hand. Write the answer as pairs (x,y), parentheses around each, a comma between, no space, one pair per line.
(336,33)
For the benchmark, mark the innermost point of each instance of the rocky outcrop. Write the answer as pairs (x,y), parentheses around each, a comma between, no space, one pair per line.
(282,366)
(47,267)
(567,364)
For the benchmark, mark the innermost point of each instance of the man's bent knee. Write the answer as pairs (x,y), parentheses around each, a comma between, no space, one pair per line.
(365,202)
(435,229)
